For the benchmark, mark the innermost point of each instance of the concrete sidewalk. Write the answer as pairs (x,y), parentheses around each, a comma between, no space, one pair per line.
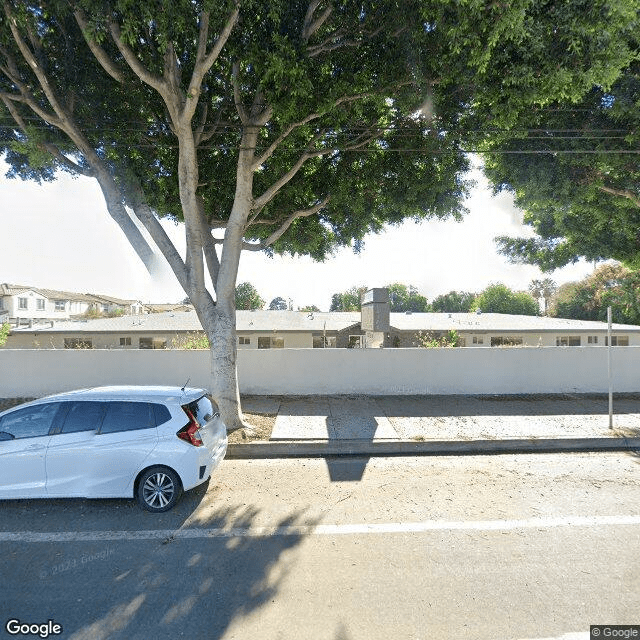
(413,425)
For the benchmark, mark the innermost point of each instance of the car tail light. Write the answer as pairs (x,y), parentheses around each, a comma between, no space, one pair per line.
(190,433)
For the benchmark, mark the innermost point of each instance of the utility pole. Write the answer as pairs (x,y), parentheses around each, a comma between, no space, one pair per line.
(609,367)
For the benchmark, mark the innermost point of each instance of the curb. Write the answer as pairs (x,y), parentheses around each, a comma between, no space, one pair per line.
(322,448)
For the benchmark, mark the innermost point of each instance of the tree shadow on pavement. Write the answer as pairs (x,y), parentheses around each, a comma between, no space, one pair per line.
(195,580)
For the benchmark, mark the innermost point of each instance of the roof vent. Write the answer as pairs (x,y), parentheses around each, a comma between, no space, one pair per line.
(478,312)
(408,313)
(449,315)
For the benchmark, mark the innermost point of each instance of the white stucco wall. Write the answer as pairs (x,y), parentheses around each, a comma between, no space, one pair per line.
(11,304)
(25,372)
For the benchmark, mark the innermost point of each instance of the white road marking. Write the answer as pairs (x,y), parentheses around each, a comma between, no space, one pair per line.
(320,529)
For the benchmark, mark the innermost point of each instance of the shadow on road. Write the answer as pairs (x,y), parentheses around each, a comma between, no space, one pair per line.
(215,567)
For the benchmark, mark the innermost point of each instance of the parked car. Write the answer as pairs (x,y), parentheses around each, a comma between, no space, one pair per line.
(148,443)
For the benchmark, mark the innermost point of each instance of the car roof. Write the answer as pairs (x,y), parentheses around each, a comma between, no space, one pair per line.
(182,395)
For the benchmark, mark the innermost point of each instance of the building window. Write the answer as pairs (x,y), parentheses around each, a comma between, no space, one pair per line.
(23,303)
(324,342)
(592,340)
(568,341)
(478,340)
(505,341)
(270,343)
(152,343)
(617,341)
(243,340)
(356,342)
(105,308)
(60,305)
(125,342)
(78,343)
(40,304)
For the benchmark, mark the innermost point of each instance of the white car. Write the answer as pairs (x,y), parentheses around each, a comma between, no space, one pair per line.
(148,443)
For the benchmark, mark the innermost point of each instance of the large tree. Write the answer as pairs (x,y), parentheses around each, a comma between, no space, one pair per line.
(403,298)
(574,172)
(247,297)
(349,300)
(454,302)
(498,298)
(290,127)
(609,285)
(278,304)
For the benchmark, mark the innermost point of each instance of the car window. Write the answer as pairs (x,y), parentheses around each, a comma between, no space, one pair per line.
(83,416)
(30,422)
(162,414)
(127,416)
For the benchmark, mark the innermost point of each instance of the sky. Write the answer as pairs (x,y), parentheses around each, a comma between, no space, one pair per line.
(59,236)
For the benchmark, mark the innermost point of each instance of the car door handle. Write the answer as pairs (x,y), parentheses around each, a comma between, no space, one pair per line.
(35,447)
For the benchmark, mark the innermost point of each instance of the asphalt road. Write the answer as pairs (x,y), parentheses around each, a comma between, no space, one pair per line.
(512,547)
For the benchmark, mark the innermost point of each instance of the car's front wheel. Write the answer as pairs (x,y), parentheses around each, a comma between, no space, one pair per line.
(158,489)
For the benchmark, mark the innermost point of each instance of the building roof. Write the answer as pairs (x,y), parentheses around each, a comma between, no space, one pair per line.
(188,321)
(54,294)
(302,321)
(483,322)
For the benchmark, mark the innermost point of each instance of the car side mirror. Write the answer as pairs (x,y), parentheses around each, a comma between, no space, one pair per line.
(6,436)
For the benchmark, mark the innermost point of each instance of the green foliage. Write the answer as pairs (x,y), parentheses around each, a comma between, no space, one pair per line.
(498,298)
(93,313)
(432,340)
(454,302)
(403,298)
(247,297)
(350,300)
(5,330)
(610,285)
(576,178)
(365,72)
(310,309)
(196,340)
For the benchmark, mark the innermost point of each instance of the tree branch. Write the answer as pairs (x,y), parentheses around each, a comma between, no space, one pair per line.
(98,52)
(277,234)
(47,146)
(27,98)
(34,65)
(237,95)
(156,82)
(625,193)
(205,61)
(311,26)
(270,193)
(208,245)
(335,41)
(270,151)
(136,200)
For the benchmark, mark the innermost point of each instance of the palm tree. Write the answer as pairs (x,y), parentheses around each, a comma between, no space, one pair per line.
(543,289)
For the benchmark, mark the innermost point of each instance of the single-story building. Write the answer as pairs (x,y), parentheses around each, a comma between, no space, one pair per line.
(298,329)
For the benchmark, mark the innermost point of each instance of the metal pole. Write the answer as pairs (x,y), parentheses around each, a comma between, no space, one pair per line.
(609,367)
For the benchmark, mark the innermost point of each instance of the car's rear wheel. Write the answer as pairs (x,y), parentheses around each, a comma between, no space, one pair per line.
(158,489)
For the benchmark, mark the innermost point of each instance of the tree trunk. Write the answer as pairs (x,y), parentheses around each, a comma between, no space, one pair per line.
(224,376)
